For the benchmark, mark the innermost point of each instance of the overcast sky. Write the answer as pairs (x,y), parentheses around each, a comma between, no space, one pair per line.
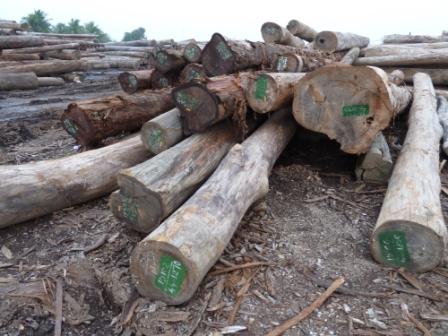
(183,19)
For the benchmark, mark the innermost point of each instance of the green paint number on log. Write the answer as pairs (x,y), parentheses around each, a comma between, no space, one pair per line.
(70,126)
(282,61)
(260,87)
(223,51)
(186,101)
(132,81)
(161,58)
(163,82)
(193,74)
(394,248)
(155,139)
(171,275)
(191,52)
(129,209)
(355,110)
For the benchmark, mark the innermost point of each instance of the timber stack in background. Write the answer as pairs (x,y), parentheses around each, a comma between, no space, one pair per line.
(214,117)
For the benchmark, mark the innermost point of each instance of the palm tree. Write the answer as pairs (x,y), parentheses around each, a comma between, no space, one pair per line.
(37,21)
(136,34)
(75,27)
(92,28)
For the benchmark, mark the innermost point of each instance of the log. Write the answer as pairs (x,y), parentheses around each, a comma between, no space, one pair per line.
(136,54)
(268,92)
(124,48)
(301,30)
(170,263)
(288,63)
(351,56)
(157,187)
(48,68)
(349,104)
(13,41)
(392,49)
(13,25)
(136,43)
(43,49)
(274,33)
(110,63)
(410,231)
(50,81)
(160,80)
(396,77)
(334,41)
(64,54)
(376,165)
(203,105)
(36,189)
(64,36)
(438,76)
(19,57)
(442,112)
(193,71)
(429,57)
(92,120)
(397,39)
(18,81)
(192,52)
(169,60)
(133,81)
(162,132)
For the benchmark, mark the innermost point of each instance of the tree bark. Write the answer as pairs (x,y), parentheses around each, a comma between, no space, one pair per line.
(429,57)
(438,76)
(36,189)
(93,120)
(43,49)
(397,39)
(19,57)
(169,60)
(268,92)
(48,68)
(18,81)
(288,63)
(274,33)
(301,30)
(157,187)
(193,71)
(192,52)
(442,112)
(170,263)
(203,105)
(349,104)
(133,81)
(50,81)
(351,56)
(334,41)
(162,132)
(13,42)
(410,231)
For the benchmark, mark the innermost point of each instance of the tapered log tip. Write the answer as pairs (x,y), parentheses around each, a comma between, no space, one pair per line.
(271,32)
(326,41)
(217,56)
(407,244)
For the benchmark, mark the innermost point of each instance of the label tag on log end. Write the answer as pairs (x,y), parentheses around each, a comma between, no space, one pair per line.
(171,275)
(394,248)
(188,103)
(70,127)
(282,62)
(355,110)
(260,87)
(223,51)
(129,209)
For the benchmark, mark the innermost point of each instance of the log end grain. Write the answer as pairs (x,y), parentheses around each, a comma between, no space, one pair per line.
(128,82)
(192,52)
(261,93)
(288,63)
(326,41)
(160,80)
(217,56)
(191,72)
(271,32)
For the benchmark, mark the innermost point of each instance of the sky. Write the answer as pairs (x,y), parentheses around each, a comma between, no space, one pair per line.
(185,19)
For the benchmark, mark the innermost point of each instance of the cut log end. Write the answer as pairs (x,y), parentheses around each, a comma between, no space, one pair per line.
(217,56)
(154,138)
(407,244)
(193,71)
(261,93)
(288,63)
(128,82)
(271,32)
(326,40)
(160,80)
(192,52)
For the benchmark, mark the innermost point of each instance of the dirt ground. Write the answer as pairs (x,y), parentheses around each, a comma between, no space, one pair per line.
(313,226)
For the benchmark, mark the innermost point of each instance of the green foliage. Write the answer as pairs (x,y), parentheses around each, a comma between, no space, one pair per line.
(37,21)
(136,34)
(92,28)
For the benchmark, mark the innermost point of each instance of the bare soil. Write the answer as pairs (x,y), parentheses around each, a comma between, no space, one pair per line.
(313,226)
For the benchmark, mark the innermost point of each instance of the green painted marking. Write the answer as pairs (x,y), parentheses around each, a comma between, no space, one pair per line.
(163,82)
(155,138)
(260,87)
(394,248)
(171,275)
(132,81)
(191,52)
(355,110)
(71,127)
(282,62)
(129,209)
(193,74)
(188,102)
(162,57)
(223,51)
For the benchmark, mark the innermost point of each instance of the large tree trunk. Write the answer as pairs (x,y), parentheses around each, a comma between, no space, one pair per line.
(193,71)
(349,104)
(18,81)
(157,187)
(162,132)
(133,81)
(93,120)
(36,189)
(43,49)
(169,60)
(274,33)
(170,263)
(49,68)
(268,92)
(442,112)
(301,30)
(335,41)
(351,56)
(203,105)
(410,231)
(438,76)
(13,42)
(288,63)
(192,52)
(427,57)
(397,38)
(19,57)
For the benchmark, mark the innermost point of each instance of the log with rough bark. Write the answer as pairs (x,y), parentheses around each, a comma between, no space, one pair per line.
(288,63)
(268,92)
(18,81)
(351,56)
(334,41)
(376,165)
(274,33)
(169,60)
(133,81)
(93,120)
(110,63)
(162,132)
(19,57)
(397,39)
(50,81)
(438,76)
(13,41)
(192,52)
(154,189)
(124,48)
(36,189)
(170,263)
(410,58)
(203,105)
(48,68)
(43,49)
(410,231)
(13,25)
(193,71)
(64,54)
(88,37)
(136,54)
(301,30)
(442,112)
(349,104)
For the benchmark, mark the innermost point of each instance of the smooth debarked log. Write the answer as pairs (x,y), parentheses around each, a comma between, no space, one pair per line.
(36,189)
(268,92)
(410,231)
(442,112)
(351,56)
(14,41)
(349,104)
(93,120)
(133,81)
(191,72)
(50,81)
(437,57)
(301,30)
(438,76)
(157,187)
(18,81)
(162,132)
(49,68)
(169,60)
(170,263)
(397,39)
(43,49)
(334,41)
(192,52)
(288,63)
(274,33)
(392,49)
